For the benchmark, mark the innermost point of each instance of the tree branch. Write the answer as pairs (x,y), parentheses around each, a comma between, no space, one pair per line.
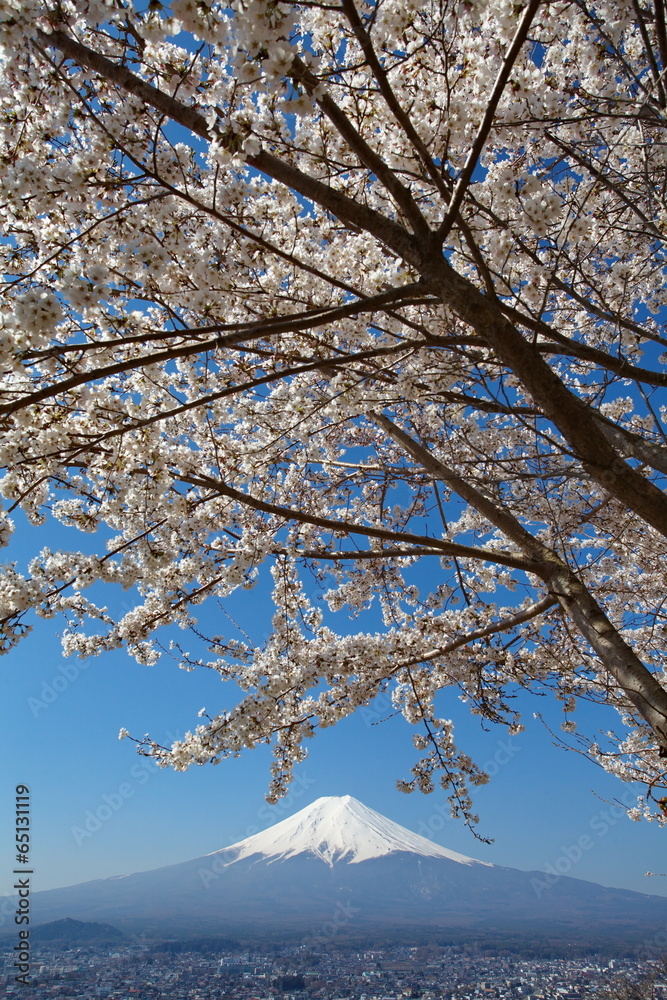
(488,120)
(346,209)
(567,412)
(638,683)
(348,527)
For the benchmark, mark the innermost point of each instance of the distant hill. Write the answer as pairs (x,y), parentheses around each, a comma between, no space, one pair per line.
(70,931)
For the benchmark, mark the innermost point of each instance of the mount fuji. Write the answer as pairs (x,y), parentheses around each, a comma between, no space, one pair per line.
(340,828)
(340,868)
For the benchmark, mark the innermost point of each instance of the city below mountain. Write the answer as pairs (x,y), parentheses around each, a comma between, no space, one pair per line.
(337,869)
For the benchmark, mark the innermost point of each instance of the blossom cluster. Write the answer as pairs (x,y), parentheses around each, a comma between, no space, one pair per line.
(240,335)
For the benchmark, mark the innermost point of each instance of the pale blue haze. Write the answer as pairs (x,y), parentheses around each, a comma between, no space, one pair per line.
(60,721)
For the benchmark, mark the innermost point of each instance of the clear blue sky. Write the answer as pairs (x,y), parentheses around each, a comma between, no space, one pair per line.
(60,721)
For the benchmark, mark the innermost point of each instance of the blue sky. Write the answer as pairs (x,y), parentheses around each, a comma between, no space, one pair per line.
(100,810)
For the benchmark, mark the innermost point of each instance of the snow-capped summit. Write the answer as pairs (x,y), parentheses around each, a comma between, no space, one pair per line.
(339,828)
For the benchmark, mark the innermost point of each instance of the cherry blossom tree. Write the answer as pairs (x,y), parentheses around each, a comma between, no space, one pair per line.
(365,295)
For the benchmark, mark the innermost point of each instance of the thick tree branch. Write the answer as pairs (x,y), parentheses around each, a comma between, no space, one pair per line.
(504,625)
(567,412)
(639,684)
(290,514)
(346,209)
(399,192)
(246,331)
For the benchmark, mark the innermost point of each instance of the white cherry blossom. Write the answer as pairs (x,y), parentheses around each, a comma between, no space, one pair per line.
(370,298)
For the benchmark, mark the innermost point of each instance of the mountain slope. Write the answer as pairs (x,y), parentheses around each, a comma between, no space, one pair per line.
(338,867)
(340,828)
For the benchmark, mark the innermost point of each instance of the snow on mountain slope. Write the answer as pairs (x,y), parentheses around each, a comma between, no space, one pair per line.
(337,828)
